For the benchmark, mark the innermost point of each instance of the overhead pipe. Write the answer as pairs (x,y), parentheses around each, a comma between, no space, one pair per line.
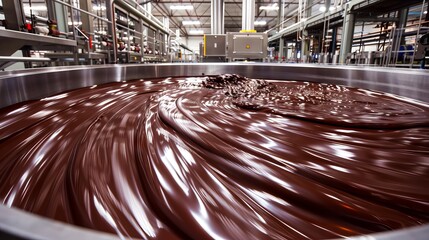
(281,14)
(248,15)
(217,16)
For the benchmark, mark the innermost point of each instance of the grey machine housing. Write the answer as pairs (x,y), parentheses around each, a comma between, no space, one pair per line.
(246,45)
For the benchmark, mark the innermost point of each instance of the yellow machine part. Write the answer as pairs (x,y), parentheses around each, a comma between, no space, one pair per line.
(204,45)
(247,31)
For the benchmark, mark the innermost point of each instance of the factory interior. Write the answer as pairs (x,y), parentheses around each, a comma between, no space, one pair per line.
(214,119)
(58,32)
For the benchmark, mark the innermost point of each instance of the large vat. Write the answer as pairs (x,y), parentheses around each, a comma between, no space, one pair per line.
(18,86)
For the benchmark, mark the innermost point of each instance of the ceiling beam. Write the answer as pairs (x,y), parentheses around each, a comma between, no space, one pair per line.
(179,26)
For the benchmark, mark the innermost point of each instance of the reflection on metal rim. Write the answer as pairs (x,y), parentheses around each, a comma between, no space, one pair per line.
(34,84)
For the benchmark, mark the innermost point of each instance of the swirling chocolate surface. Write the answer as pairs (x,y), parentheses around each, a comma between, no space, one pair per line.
(221,157)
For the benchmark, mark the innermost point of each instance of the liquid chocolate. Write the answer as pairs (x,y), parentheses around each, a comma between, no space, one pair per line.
(220,157)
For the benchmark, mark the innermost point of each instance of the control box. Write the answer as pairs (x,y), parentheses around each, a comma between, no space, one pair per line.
(247,45)
(215,45)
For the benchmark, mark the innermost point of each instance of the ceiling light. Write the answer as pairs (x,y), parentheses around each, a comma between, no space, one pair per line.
(190,22)
(331,8)
(196,32)
(273,7)
(181,7)
(425,12)
(260,23)
(322,9)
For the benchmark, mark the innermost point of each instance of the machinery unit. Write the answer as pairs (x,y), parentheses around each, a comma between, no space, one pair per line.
(215,45)
(214,48)
(247,45)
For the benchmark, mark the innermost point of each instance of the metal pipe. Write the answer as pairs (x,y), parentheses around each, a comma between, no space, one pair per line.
(217,16)
(248,15)
(281,14)
(418,33)
(347,35)
(80,31)
(113,24)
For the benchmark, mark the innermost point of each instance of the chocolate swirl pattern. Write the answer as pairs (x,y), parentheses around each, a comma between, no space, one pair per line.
(222,157)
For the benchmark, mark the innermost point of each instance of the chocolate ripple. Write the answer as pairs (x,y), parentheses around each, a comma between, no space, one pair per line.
(223,157)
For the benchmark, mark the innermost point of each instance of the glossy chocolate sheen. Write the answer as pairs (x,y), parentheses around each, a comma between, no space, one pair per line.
(221,157)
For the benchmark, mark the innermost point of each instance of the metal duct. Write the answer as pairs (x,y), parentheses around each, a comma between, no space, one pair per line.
(248,15)
(217,17)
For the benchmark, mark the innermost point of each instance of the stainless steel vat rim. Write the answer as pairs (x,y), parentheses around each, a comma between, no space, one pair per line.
(403,82)
(18,86)
(23,225)
(24,72)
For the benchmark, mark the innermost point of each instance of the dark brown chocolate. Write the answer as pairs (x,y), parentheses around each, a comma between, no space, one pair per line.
(221,157)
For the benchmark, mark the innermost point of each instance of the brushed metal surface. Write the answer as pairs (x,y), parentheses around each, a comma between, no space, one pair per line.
(17,224)
(246,45)
(215,45)
(18,86)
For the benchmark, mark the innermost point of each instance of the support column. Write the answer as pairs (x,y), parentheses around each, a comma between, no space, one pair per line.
(398,37)
(281,48)
(286,50)
(14,14)
(149,7)
(281,16)
(87,21)
(217,17)
(427,17)
(50,5)
(308,12)
(333,45)
(305,46)
(295,48)
(347,36)
(248,15)
(58,12)
(305,41)
(166,43)
(110,12)
(327,5)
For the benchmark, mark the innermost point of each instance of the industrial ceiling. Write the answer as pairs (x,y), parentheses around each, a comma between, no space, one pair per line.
(201,12)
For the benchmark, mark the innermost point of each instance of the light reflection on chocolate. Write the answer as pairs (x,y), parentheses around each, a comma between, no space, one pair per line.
(222,157)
